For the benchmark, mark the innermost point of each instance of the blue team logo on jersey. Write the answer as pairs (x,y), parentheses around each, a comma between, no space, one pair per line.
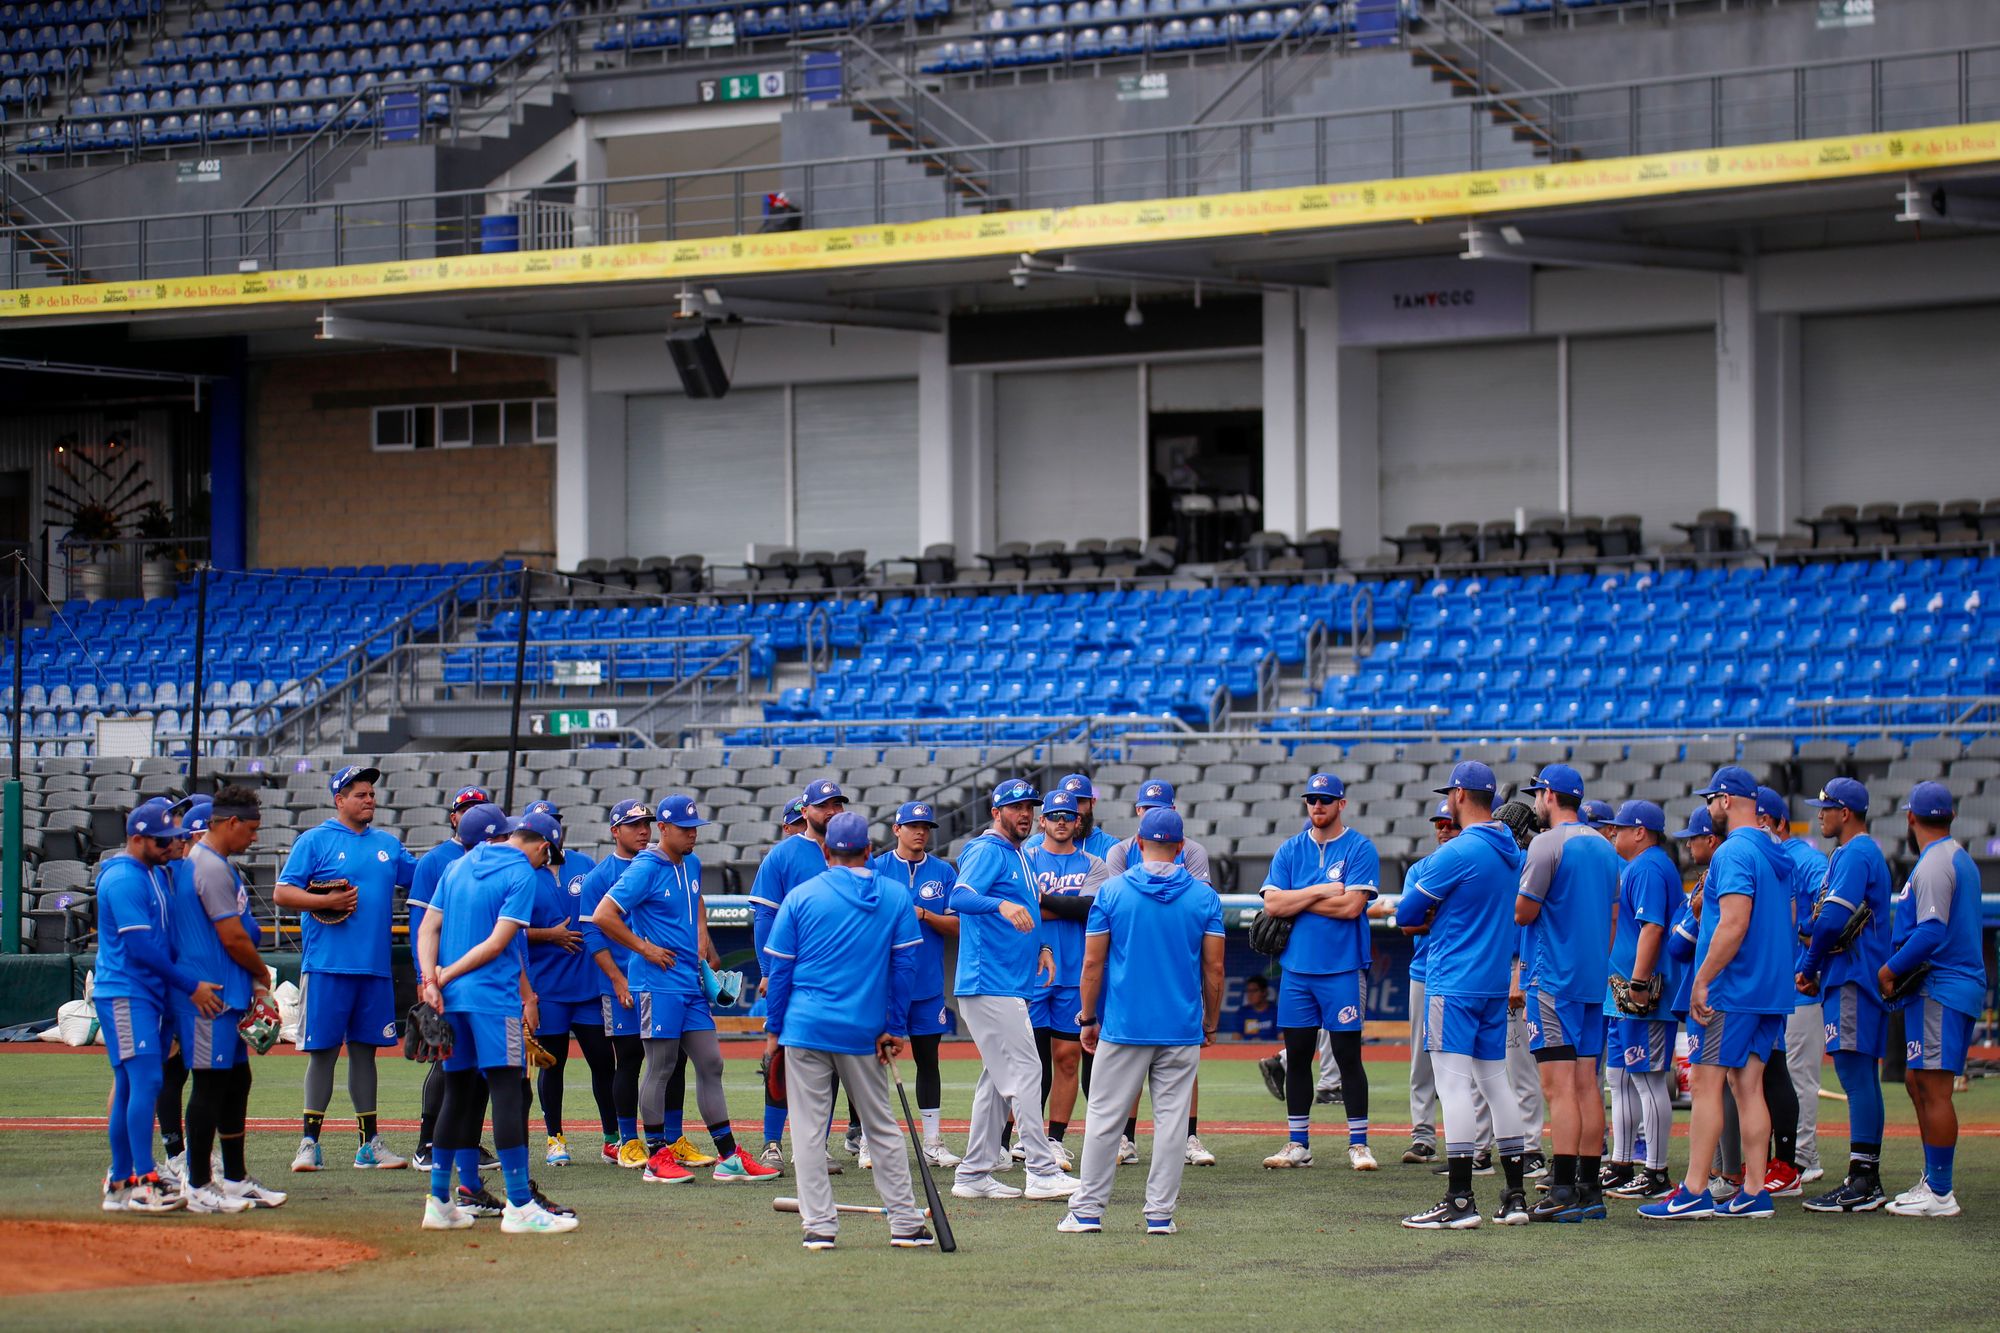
(932,890)
(1348,1013)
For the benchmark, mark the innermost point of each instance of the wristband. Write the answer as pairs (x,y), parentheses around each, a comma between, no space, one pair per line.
(1083,1022)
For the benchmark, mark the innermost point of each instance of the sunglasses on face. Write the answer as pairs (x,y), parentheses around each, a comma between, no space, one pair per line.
(1319,800)
(1060,819)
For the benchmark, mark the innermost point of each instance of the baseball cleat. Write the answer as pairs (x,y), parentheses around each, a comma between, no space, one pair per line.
(487,1161)
(1327,1097)
(208,1199)
(1420,1154)
(174,1171)
(1616,1176)
(1197,1153)
(557,1152)
(1128,1152)
(374,1155)
(1017,1152)
(938,1155)
(1060,1150)
(833,1166)
(608,1154)
(863,1159)
(1533,1166)
(739,1168)
(308,1157)
(1782,1180)
(1291,1155)
(1273,1070)
(1160,1226)
(663,1168)
(1758,1207)
(1812,1175)
(912,1240)
(818,1241)
(531,1219)
(1930,1204)
(115,1195)
(694,1158)
(632,1154)
(1559,1200)
(1646,1185)
(772,1156)
(982,1187)
(1513,1210)
(1359,1158)
(1851,1196)
(1680,1205)
(1916,1193)
(1054,1185)
(1455,1212)
(477,1203)
(258,1195)
(442,1216)
(1072,1225)
(148,1194)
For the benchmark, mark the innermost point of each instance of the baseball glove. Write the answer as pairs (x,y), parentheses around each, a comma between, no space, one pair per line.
(1269,934)
(1857,921)
(260,1024)
(722,989)
(1637,998)
(426,1035)
(538,1054)
(1908,984)
(328,916)
(1519,817)
(772,1068)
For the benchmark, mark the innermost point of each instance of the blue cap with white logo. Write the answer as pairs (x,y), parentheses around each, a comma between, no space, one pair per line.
(1078,785)
(1443,814)
(1770,805)
(631,810)
(1161,824)
(1014,791)
(543,808)
(1558,778)
(916,812)
(200,814)
(1059,803)
(1595,813)
(795,813)
(1641,814)
(848,832)
(1155,795)
(1730,780)
(679,811)
(1470,775)
(350,775)
(537,824)
(1325,784)
(821,790)
(482,823)
(153,819)
(1842,794)
(1929,800)
(1699,825)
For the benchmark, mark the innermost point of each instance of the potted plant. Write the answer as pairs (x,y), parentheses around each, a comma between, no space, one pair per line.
(95,501)
(160,572)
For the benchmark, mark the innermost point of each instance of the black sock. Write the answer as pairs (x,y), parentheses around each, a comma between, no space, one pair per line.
(656,1137)
(1132,1128)
(314,1122)
(1192,1122)
(1058,1128)
(725,1142)
(1588,1169)
(1513,1164)
(1563,1171)
(365,1126)
(233,1166)
(1459,1174)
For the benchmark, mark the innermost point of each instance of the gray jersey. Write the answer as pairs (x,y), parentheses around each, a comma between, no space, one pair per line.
(1193,855)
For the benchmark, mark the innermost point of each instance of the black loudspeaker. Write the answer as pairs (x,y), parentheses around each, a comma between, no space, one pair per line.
(696,360)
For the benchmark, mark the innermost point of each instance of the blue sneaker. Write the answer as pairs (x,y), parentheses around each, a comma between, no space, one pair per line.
(1746,1204)
(374,1155)
(1679,1205)
(1160,1226)
(308,1157)
(1075,1225)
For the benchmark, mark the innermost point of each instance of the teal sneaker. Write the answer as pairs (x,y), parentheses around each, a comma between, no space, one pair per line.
(738,1168)
(374,1155)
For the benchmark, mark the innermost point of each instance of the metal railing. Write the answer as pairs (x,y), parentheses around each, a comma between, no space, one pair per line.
(1778,103)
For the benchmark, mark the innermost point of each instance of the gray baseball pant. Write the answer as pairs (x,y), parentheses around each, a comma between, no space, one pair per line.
(1010,1083)
(809,1086)
(1526,1081)
(1117,1074)
(1805,1049)
(1423,1083)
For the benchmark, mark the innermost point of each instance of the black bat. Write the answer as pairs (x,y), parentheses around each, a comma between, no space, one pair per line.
(943,1224)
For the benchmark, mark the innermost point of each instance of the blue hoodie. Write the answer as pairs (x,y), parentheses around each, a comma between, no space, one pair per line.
(1467,888)
(841,958)
(1152,972)
(477,893)
(1758,979)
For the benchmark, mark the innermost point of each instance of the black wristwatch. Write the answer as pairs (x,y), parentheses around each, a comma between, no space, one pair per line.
(1082,1022)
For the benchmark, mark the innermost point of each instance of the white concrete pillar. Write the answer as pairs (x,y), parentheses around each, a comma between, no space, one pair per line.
(1284,417)
(974,504)
(590,467)
(938,471)
(1757,407)
(1342,453)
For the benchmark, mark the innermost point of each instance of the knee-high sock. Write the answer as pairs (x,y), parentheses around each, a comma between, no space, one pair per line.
(231,1120)
(1083,1077)
(1624,1117)
(1654,1094)
(675,1119)
(1353,1083)
(1861,1080)
(167,1107)
(631,1053)
(433,1100)
(142,1080)
(603,1063)
(1783,1100)
(204,1111)
(549,1083)
(930,1082)
(361,1088)
(319,1089)
(508,1091)
(1299,1046)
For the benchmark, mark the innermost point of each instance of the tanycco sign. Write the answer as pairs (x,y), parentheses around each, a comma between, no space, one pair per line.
(1432,300)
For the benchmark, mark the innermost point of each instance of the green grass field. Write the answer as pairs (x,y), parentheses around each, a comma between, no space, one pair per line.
(1255,1247)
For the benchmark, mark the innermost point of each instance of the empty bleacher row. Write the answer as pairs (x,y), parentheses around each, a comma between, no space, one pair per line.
(606,634)
(665,24)
(49,49)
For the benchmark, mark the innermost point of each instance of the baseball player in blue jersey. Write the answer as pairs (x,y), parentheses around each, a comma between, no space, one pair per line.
(1323,879)
(1568,896)
(631,822)
(1152,998)
(1001,963)
(137,978)
(842,957)
(1938,964)
(799,855)
(346,996)
(1839,965)
(928,879)
(1465,895)
(1791,1079)
(1741,995)
(423,886)
(565,983)
(1066,878)
(1089,837)
(474,972)
(654,911)
(1639,1040)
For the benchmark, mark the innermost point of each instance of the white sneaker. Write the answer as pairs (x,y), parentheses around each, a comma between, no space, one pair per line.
(938,1155)
(1017,1152)
(1197,1155)
(1054,1185)
(1291,1155)
(866,1162)
(307,1158)
(115,1196)
(1073,1225)
(982,1187)
(531,1219)
(853,1143)
(258,1195)
(153,1197)
(442,1216)
(1360,1158)
(174,1171)
(1812,1173)
(1932,1204)
(208,1199)
(1061,1151)
(1917,1193)
(1128,1152)
(374,1155)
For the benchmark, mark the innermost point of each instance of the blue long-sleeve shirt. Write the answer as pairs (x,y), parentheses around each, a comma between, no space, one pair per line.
(788,865)
(842,962)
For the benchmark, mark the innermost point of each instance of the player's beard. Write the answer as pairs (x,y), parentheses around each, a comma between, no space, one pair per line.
(1721,821)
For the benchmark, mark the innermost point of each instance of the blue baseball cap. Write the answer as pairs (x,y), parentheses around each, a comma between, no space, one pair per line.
(1595,812)
(1014,791)
(631,810)
(153,819)
(1059,803)
(1155,795)
(543,808)
(481,823)
(916,812)
(847,832)
(1929,800)
(1730,780)
(200,814)
(1842,794)
(1641,814)
(679,811)
(1324,784)
(1079,785)
(470,796)
(538,824)
(821,790)
(1558,778)
(350,775)
(795,812)
(1470,775)
(1770,805)
(1443,814)
(1162,823)
(1699,825)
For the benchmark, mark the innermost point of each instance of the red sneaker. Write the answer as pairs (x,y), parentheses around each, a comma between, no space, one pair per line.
(1782,1180)
(740,1166)
(609,1153)
(663,1169)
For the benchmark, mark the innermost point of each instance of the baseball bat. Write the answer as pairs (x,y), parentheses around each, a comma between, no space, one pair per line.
(782,1204)
(946,1243)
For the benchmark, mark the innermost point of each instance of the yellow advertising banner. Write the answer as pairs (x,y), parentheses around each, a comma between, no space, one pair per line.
(1259,212)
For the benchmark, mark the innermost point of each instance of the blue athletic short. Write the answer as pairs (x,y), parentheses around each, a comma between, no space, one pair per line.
(336,1007)
(557,1017)
(210,1043)
(1936,1036)
(1554,1022)
(1054,1008)
(1640,1045)
(486,1041)
(929,1018)
(1732,1039)
(1856,1020)
(617,1019)
(131,1030)
(1465,1025)
(665,1015)
(1330,1000)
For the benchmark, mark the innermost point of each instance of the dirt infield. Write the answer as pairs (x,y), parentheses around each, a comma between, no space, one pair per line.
(48,1257)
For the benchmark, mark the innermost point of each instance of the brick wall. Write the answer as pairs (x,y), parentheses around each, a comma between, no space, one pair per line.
(321,495)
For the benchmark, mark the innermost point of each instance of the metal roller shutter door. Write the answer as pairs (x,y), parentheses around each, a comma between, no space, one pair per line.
(1066,455)
(856,446)
(1642,428)
(1468,433)
(705,476)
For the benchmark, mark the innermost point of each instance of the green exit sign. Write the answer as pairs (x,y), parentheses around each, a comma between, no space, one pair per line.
(744,87)
(566,721)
